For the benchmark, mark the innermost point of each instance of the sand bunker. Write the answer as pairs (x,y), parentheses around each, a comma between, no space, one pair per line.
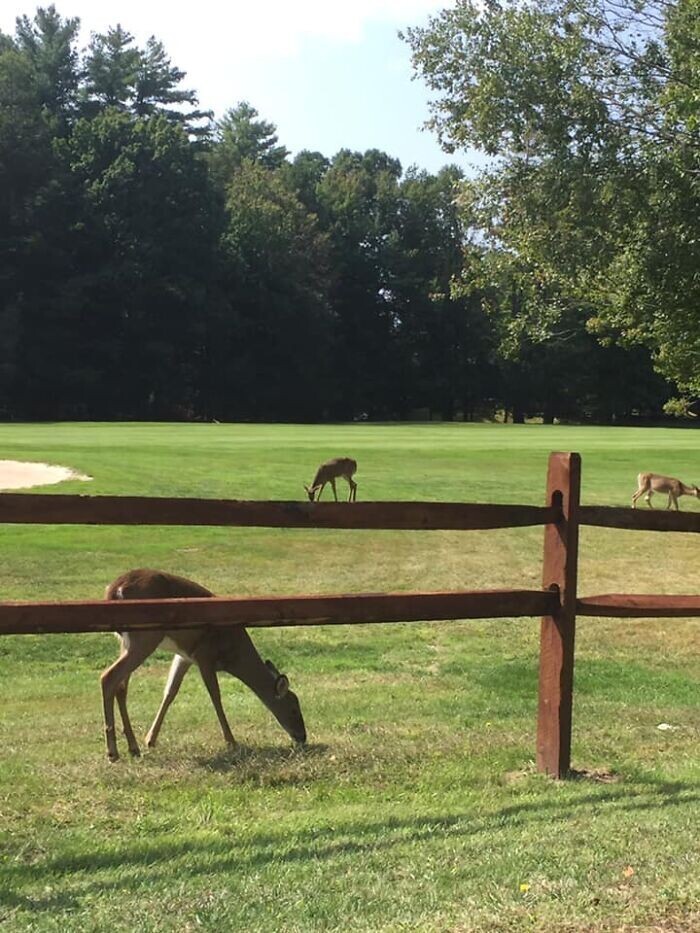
(17,475)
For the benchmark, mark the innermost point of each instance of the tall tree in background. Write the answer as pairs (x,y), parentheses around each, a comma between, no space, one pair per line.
(272,342)
(39,80)
(304,175)
(127,286)
(241,136)
(445,337)
(111,67)
(27,165)
(141,81)
(48,44)
(109,228)
(592,109)
(358,197)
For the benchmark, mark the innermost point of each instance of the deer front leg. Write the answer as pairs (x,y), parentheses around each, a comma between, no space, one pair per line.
(335,494)
(178,669)
(207,669)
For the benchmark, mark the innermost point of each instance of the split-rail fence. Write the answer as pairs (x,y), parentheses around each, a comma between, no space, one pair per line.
(557,603)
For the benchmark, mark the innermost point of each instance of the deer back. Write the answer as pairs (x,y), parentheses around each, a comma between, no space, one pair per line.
(145,583)
(153,584)
(338,466)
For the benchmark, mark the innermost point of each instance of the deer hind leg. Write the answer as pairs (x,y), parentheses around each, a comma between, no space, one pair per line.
(207,669)
(674,499)
(648,499)
(352,495)
(126,722)
(178,669)
(113,682)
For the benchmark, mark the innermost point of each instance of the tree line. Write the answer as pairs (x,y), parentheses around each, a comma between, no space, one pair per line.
(158,264)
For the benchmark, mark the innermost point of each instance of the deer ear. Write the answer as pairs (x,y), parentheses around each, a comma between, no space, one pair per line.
(281,686)
(271,667)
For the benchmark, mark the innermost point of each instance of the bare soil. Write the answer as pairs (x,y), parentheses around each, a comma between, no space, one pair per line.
(14,474)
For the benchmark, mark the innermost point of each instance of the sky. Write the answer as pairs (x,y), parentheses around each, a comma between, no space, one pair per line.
(330,74)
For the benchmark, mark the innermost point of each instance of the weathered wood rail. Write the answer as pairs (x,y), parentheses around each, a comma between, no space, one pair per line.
(271,611)
(18,508)
(557,603)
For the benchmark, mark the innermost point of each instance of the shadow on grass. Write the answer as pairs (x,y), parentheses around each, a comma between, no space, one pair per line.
(227,855)
(266,756)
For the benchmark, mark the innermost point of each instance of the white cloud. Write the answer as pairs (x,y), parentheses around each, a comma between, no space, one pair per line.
(281,26)
(268,28)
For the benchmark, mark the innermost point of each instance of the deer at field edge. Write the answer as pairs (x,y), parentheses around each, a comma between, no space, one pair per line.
(650,483)
(328,472)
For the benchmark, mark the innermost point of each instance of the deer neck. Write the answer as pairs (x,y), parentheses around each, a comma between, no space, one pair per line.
(250,669)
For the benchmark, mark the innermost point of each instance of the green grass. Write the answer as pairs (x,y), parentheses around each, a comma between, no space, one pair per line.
(416,804)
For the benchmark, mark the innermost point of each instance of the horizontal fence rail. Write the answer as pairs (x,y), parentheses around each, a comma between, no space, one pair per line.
(605,516)
(641,606)
(21,508)
(18,618)
(127,615)
(18,508)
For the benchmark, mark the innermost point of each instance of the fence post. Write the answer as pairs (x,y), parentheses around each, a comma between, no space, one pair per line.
(558,631)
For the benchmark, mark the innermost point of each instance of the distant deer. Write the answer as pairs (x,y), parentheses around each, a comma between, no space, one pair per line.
(650,483)
(212,650)
(328,472)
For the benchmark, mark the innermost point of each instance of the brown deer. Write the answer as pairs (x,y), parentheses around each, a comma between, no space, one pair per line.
(650,483)
(212,650)
(328,472)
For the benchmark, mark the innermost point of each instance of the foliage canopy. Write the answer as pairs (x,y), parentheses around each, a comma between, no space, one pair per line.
(593,112)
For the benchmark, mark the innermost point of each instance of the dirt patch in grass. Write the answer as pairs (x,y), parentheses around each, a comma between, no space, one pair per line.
(16,474)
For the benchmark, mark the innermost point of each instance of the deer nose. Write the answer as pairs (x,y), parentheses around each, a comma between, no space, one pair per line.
(299,735)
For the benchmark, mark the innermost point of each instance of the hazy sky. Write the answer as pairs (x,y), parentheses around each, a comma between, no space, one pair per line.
(328,73)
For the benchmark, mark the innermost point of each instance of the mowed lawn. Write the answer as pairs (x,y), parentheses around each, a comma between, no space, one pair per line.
(415,805)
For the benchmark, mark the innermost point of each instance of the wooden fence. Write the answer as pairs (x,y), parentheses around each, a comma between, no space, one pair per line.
(557,603)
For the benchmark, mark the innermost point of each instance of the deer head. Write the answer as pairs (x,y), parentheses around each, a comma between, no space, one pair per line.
(310,493)
(284,705)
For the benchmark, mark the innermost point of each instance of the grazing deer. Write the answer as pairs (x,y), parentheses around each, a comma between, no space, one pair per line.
(328,472)
(212,650)
(650,483)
